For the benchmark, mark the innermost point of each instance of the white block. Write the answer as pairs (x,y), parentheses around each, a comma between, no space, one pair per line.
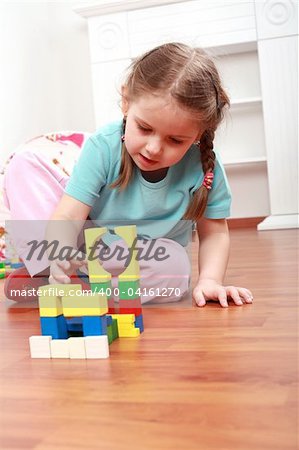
(97,347)
(77,347)
(60,348)
(40,346)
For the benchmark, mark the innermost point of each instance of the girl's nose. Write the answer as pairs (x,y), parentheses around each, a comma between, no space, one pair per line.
(153,147)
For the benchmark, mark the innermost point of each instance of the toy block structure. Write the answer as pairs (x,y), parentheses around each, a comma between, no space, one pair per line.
(80,325)
(2,270)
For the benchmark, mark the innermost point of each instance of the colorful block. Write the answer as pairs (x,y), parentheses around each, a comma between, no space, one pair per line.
(96,347)
(139,323)
(102,288)
(77,347)
(128,290)
(130,307)
(50,306)
(54,326)
(110,334)
(94,325)
(59,348)
(85,305)
(74,324)
(129,235)
(97,273)
(40,346)
(114,329)
(128,331)
(124,318)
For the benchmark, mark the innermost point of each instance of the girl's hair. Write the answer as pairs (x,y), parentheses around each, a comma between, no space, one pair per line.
(189,75)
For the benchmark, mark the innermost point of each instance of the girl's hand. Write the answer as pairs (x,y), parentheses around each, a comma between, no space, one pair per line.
(60,271)
(209,289)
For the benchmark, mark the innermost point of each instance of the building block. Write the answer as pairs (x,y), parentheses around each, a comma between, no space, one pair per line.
(97,273)
(110,334)
(77,347)
(109,320)
(96,347)
(129,235)
(40,346)
(102,288)
(85,305)
(59,348)
(54,326)
(50,306)
(126,331)
(74,324)
(16,265)
(58,290)
(114,329)
(124,318)
(128,290)
(126,325)
(94,325)
(130,307)
(139,323)
(106,288)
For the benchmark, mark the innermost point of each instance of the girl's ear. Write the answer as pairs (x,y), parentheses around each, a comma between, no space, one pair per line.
(124,100)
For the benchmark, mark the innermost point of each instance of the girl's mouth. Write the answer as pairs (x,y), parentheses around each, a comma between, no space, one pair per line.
(146,161)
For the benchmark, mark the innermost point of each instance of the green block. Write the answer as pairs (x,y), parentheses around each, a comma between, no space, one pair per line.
(129,290)
(102,287)
(114,329)
(110,334)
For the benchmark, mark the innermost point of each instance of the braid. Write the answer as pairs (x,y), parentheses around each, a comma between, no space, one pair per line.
(198,204)
(207,154)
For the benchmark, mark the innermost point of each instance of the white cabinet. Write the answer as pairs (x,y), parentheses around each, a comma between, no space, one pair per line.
(255,44)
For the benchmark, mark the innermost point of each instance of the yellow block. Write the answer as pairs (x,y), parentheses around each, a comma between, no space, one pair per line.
(58,290)
(80,312)
(124,318)
(129,235)
(97,274)
(50,306)
(86,305)
(50,298)
(129,333)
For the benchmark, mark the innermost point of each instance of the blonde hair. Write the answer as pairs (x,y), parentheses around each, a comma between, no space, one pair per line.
(190,76)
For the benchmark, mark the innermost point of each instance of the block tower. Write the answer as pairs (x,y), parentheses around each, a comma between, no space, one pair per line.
(66,309)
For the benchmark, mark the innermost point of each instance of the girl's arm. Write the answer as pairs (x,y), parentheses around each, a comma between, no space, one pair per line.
(64,226)
(213,256)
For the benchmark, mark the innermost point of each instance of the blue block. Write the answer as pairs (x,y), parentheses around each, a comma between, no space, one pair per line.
(16,265)
(109,320)
(74,324)
(54,326)
(139,323)
(94,325)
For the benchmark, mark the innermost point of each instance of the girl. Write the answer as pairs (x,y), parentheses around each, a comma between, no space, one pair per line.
(158,165)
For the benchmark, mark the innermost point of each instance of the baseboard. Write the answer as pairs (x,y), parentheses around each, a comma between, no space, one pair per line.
(244,222)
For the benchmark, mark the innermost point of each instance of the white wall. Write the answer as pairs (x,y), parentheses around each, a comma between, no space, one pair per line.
(45,80)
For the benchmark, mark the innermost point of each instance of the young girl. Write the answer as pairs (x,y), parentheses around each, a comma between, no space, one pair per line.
(158,165)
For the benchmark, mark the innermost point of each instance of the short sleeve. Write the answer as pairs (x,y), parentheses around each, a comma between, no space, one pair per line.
(90,172)
(219,199)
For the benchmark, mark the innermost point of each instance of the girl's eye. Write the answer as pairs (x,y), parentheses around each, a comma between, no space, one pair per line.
(176,141)
(142,128)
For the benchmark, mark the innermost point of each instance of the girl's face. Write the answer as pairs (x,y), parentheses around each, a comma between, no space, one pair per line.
(158,132)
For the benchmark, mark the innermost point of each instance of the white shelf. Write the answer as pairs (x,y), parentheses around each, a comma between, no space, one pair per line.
(238,162)
(248,101)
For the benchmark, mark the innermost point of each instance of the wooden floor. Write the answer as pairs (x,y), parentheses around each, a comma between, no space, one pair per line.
(208,378)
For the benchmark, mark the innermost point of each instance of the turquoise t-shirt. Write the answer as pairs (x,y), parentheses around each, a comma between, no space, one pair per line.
(156,208)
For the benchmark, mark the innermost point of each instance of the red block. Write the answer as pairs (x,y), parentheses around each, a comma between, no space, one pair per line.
(130,307)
